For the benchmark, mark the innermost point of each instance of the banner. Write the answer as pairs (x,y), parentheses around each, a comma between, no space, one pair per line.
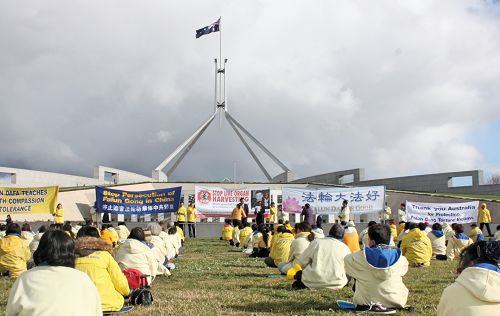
(41,200)
(459,213)
(141,202)
(216,201)
(329,200)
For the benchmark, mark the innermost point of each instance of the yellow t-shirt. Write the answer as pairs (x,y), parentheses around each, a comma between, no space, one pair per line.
(191,213)
(181,214)
(59,216)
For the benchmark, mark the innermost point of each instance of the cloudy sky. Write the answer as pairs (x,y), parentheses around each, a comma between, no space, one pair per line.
(396,87)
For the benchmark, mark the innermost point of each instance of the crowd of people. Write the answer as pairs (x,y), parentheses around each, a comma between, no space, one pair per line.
(93,268)
(87,269)
(375,260)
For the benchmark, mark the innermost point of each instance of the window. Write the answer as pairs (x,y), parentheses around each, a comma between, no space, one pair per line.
(348,178)
(110,177)
(455,182)
(7,178)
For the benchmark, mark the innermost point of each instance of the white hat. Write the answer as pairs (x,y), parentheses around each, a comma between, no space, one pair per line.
(351,224)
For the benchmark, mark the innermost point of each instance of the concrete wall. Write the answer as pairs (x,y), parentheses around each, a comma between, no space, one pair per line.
(33,178)
(437,182)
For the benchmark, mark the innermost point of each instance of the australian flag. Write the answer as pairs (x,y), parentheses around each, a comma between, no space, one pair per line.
(214,27)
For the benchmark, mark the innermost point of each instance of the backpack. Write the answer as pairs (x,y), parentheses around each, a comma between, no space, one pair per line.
(142,295)
(133,277)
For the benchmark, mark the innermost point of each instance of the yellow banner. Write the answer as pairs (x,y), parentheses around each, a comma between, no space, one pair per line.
(28,200)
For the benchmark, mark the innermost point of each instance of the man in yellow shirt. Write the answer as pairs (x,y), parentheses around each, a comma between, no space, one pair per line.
(181,215)
(58,214)
(191,214)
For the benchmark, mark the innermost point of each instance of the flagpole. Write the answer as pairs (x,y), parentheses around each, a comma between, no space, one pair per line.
(220,67)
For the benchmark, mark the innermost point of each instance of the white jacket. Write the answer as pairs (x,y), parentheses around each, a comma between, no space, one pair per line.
(323,264)
(34,243)
(476,292)
(48,291)
(137,255)
(438,244)
(379,276)
(298,246)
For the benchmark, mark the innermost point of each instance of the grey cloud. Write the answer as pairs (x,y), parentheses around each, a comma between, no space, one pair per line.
(393,87)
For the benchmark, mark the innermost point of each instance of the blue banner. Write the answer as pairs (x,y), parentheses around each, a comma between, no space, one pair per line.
(142,202)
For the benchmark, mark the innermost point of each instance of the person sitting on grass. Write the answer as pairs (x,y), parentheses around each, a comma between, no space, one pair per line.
(27,234)
(403,233)
(417,247)
(475,233)
(351,238)
(134,253)
(235,238)
(172,238)
(316,233)
(457,242)
(378,270)
(107,235)
(122,231)
(54,286)
(448,231)
(36,240)
(227,231)
(245,233)
(476,291)
(297,247)
(262,242)
(363,236)
(251,239)
(322,262)
(164,251)
(438,241)
(281,222)
(280,249)
(94,257)
(14,252)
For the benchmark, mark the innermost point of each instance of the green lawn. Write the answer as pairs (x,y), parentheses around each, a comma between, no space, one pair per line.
(211,280)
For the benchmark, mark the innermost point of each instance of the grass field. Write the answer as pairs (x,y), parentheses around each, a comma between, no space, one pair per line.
(211,280)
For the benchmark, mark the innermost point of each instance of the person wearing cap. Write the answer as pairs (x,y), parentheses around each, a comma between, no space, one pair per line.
(351,238)
(475,233)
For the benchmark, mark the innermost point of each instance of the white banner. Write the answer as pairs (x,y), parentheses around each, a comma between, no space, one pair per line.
(459,213)
(329,200)
(216,201)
